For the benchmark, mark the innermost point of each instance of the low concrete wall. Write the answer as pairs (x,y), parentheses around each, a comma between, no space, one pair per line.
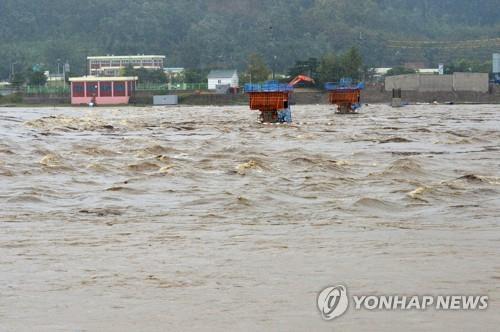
(433,83)
(474,82)
(46,100)
(477,82)
(377,94)
(213,99)
(373,94)
(403,82)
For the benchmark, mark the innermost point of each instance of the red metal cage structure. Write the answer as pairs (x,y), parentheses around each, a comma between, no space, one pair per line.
(268,103)
(272,100)
(345,95)
(345,100)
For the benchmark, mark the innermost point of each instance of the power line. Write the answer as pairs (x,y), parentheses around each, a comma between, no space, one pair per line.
(462,44)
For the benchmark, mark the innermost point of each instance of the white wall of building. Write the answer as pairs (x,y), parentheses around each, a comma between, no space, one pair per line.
(496,63)
(233,82)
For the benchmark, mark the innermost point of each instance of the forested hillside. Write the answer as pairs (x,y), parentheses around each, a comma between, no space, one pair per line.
(215,33)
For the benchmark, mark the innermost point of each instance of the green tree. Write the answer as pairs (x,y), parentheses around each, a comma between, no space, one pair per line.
(352,63)
(18,80)
(145,75)
(195,75)
(221,33)
(329,69)
(36,77)
(332,67)
(151,76)
(257,70)
(400,71)
(128,71)
(307,67)
(465,65)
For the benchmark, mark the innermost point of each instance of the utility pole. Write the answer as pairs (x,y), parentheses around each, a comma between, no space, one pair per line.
(58,70)
(12,72)
(66,71)
(273,49)
(274,67)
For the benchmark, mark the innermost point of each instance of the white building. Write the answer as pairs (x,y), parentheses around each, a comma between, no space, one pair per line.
(55,79)
(428,71)
(496,63)
(5,89)
(379,72)
(223,77)
(111,65)
(176,73)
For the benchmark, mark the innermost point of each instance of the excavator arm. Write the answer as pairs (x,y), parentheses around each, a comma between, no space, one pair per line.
(299,79)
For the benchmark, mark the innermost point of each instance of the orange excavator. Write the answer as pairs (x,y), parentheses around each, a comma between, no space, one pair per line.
(300,79)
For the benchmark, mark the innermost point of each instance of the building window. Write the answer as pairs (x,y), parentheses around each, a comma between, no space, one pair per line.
(119,89)
(92,89)
(106,89)
(78,89)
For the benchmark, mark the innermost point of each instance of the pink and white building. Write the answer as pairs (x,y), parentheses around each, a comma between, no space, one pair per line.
(102,90)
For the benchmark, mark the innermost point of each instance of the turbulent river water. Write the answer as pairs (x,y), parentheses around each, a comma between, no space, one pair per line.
(203,219)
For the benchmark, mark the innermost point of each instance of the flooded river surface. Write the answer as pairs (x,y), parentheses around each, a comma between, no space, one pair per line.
(203,219)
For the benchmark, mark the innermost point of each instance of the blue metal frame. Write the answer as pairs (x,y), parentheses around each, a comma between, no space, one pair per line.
(345,83)
(270,86)
(285,116)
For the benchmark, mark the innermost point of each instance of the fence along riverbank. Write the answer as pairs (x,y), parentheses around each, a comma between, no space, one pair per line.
(373,94)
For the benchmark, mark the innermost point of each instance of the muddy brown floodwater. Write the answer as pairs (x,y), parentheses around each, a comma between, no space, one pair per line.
(202,219)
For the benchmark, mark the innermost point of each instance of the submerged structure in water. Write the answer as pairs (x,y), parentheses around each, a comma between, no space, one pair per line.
(345,94)
(272,99)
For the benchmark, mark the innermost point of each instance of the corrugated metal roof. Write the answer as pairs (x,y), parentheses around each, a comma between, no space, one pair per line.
(222,73)
(125,57)
(102,79)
